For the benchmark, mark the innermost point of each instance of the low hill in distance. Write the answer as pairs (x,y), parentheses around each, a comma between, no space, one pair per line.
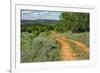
(39,21)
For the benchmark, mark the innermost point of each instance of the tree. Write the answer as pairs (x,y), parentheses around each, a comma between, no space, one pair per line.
(75,22)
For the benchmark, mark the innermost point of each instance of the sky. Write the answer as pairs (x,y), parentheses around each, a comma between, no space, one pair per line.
(39,14)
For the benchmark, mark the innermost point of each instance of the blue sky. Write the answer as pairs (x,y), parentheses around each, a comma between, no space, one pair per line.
(39,14)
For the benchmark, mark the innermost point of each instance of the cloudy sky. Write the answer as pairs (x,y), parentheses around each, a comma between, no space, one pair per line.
(37,14)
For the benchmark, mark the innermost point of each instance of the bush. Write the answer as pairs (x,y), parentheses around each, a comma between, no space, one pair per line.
(46,48)
(40,49)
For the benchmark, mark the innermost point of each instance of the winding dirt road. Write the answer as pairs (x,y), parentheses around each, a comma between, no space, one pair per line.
(81,45)
(66,53)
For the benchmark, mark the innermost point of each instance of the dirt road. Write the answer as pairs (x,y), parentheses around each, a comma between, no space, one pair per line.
(66,53)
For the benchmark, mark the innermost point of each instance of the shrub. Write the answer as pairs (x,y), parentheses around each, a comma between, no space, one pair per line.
(46,48)
(39,49)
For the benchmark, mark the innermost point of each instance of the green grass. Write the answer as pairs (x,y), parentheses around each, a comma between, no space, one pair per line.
(80,54)
(82,37)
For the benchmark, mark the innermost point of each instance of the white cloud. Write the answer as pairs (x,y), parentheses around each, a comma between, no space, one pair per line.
(26,11)
(42,13)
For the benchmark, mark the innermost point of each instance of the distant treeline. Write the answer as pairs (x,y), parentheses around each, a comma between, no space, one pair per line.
(69,21)
(42,21)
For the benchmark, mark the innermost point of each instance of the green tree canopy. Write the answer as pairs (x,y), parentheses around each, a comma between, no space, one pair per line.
(75,22)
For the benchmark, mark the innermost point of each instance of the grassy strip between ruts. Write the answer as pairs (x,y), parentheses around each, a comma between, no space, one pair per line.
(80,54)
(81,37)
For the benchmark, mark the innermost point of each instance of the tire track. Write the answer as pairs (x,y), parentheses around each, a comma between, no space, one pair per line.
(66,53)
